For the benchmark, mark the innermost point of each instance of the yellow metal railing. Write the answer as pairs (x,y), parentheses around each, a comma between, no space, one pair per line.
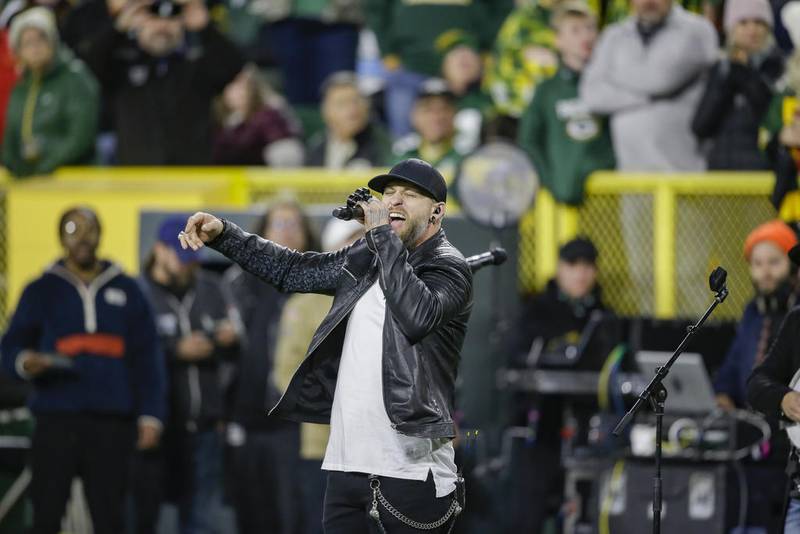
(658,235)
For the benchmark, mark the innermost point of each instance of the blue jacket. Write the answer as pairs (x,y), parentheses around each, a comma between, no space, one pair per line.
(732,376)
(105,328)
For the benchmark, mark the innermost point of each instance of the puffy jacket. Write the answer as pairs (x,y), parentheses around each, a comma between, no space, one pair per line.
(428,294)
(734,103)
(63,118)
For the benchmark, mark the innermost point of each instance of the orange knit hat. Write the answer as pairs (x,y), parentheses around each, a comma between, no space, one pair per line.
(775,231)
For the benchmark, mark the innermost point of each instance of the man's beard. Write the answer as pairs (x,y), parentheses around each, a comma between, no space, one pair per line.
(84,259)
(782,289)
(180,282)
(651,20)
(413,233)
(86,264)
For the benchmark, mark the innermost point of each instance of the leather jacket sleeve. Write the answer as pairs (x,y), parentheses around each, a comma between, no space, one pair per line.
(768,383)
(287,270)
(419,303)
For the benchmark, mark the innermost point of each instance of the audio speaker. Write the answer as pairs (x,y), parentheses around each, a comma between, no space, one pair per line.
(693,498)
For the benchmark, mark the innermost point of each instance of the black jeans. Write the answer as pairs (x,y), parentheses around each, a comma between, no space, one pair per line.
(95,448)
(147,489)
(266,485)
(313,480)
(348,499)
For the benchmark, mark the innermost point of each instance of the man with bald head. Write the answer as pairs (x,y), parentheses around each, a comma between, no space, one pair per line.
(83,335)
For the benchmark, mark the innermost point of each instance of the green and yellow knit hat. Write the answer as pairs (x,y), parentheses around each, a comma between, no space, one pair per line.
(453,38)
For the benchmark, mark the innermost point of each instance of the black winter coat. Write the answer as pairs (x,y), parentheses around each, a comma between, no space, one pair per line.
(734,103)
(769,382)
(161,107)
(196,389)
(259,306)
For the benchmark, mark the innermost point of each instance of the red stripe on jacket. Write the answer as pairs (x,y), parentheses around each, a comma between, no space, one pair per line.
(106,345)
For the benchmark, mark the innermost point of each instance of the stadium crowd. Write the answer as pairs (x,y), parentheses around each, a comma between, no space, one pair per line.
(177,369)
(343,84)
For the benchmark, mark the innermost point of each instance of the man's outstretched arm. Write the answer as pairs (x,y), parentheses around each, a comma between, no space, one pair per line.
(284,268)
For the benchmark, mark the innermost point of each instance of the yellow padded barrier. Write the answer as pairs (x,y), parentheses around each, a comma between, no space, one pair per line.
(658,235)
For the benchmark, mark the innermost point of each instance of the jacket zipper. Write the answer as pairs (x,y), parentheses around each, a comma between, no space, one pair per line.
(392,423)
(183,309)
(87,293)
(351,274)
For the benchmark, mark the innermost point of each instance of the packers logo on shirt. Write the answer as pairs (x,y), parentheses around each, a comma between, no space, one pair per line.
(583,129)
(580,124)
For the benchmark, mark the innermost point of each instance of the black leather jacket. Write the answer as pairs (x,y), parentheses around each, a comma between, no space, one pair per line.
(428,301)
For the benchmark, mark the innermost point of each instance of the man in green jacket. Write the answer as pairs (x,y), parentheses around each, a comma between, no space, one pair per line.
(565,142)
(52,114)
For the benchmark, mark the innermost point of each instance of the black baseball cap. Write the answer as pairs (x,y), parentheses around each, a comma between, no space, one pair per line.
(417,172)
(578,249)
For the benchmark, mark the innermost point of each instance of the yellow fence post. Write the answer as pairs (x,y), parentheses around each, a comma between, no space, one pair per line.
(567,223)
(664,250)
(545,249)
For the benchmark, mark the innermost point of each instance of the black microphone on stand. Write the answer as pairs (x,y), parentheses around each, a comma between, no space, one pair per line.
(496,256)
(717,283)
(655,394)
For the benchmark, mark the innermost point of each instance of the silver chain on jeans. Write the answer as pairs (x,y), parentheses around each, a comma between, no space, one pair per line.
(377,495)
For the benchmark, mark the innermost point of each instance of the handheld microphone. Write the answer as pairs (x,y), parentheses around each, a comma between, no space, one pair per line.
(347,213)
(352,210)
(496,256)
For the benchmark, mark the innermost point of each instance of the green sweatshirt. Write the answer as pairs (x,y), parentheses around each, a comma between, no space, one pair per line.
(565,142)
(62,119)
(409,29)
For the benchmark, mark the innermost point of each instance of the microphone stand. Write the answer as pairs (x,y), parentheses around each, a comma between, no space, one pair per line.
(656,395)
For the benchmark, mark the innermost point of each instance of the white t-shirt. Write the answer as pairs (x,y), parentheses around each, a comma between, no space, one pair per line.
(362,438)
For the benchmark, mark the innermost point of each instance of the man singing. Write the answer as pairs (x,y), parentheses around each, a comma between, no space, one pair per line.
(382,366)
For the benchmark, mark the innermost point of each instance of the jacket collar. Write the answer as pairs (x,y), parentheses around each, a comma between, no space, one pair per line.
(567,73)
(109,272)
(426,248)
(360,261)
